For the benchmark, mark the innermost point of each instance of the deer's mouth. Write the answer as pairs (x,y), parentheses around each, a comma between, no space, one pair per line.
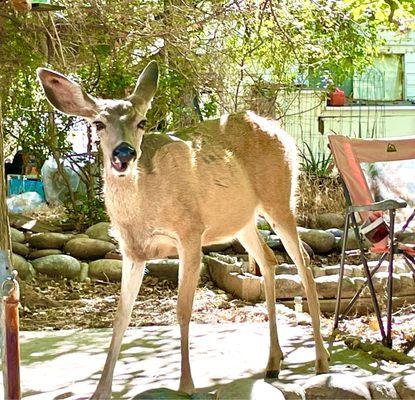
(118,165)
(122,155)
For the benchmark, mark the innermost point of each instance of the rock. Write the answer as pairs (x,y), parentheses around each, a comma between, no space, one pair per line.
(383,390)
(335,386)
(162,394)
(336,232)
(405,387)
(213,248)
(83,275)
(308,249)
(274,242)
(58,266)
(238,248)
(327,286)
(24,269)
(380,281)
(249,389)
(80,236)
(100,231)
(17,236)
(291,391)
(407,283)
(164,269)
(106,270)
(49,240)
(329,220)
(20,249)
(320,241)
(286,269)
(88,249)
(335,270)
(352,242)
(288,286)
(114,255)
(43,253)
(318,271)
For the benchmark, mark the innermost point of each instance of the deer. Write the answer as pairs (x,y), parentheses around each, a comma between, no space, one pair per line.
(169,194)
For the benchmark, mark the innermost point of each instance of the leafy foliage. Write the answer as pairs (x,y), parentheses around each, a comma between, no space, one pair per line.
(318,165)
(217,54)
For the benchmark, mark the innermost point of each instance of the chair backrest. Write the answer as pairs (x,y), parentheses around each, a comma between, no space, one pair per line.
(349,153)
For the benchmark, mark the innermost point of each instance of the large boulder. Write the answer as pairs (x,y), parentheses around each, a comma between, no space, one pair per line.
(336,386)
(58,266)
(17,236)
(20,249)
(24,268)
(106,270)
(100,231)
(249,389)
(43,253)
(329,220)
(49,240)
(88,249)
(320,241)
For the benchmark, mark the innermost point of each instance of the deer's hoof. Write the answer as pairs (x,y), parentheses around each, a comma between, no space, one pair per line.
(322,366)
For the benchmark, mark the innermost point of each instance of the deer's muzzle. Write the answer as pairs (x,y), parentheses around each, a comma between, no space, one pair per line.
(122,155)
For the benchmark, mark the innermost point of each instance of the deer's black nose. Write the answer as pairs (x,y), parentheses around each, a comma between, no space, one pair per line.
(122,155)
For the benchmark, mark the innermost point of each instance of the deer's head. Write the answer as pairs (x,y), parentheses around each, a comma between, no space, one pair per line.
(119,123)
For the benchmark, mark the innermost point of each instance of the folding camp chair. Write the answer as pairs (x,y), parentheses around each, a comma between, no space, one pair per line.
(367,217)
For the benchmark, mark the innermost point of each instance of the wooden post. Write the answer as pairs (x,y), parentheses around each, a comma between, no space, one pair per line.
(10,288)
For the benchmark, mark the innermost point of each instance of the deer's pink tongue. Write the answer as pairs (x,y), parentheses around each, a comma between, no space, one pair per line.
(118,165)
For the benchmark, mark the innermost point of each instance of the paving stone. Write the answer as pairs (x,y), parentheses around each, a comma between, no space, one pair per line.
(288,269)
(336,386)
(407,283)
(249,389)
(405,387)
(288,286)
(380,281)
(327,286)
(291,391)
(335,270)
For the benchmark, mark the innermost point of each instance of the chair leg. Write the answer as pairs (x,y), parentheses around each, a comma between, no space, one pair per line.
(341,274)
(359,292)
(369,278)
(390,280)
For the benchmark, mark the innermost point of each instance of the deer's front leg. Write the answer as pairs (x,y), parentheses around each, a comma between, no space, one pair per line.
(190,254)
(132,276)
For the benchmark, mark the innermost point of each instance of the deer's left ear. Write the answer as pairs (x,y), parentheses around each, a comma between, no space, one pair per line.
(66,95)
(146,85)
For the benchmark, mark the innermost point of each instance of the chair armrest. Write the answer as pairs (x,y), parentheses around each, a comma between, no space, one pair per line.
(383,205)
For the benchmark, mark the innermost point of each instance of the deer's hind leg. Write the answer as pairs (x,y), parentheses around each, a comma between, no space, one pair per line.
(284,224)
(253,243)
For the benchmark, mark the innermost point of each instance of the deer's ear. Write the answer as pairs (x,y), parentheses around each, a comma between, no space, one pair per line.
(65,95)
(146,85)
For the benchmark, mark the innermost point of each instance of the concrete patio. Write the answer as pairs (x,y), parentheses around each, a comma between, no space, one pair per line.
(67,364)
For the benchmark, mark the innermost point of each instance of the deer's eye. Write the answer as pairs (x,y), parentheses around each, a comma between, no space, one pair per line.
(141,124)
(99,125)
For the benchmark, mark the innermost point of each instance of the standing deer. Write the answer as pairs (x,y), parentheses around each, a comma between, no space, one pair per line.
(174,194)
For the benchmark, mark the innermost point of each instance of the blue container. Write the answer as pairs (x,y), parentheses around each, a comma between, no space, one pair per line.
(18,185)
